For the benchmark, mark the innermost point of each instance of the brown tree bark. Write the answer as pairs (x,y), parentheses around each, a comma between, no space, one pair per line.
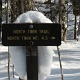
(62,19)
(0,16)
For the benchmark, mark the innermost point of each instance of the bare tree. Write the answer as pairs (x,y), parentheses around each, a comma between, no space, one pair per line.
(0,10)
(0,16)
(78,32)
(62,19)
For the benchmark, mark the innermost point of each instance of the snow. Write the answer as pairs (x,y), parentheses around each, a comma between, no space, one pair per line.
(44,52)
(18,56)
(32,17)
(40,1)
(70,56)
(56,1)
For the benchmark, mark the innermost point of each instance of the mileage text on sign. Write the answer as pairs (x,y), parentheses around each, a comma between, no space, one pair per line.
(30,37)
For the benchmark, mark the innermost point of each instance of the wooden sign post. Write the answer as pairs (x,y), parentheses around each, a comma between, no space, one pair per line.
(31,35)
(32,62)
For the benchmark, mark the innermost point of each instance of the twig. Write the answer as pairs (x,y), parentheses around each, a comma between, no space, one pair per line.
(13,71)
(8,64)
(60,62)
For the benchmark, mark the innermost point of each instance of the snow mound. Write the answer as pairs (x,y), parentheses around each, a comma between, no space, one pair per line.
(32,17)
(18,53)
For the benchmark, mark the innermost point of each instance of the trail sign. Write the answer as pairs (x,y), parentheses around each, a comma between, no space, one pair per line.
(31,34)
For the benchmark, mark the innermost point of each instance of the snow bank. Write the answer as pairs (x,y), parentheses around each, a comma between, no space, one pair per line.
(18,53)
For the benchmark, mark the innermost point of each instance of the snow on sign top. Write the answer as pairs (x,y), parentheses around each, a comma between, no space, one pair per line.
(27,34)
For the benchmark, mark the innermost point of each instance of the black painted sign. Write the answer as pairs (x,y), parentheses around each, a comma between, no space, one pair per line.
(27,34)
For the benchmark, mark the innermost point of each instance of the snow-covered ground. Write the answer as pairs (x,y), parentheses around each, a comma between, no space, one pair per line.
(70,55)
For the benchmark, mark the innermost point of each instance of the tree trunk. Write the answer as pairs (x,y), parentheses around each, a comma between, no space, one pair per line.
(21,6)
(13,10)
(75,28)
(78,32)
(62,14)
(0,12)
(0,16)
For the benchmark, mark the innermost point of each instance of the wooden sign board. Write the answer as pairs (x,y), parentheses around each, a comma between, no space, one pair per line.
(35,34)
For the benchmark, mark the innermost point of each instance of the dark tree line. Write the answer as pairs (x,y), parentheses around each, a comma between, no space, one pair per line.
(19,6)
(0,10)
(0,16)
